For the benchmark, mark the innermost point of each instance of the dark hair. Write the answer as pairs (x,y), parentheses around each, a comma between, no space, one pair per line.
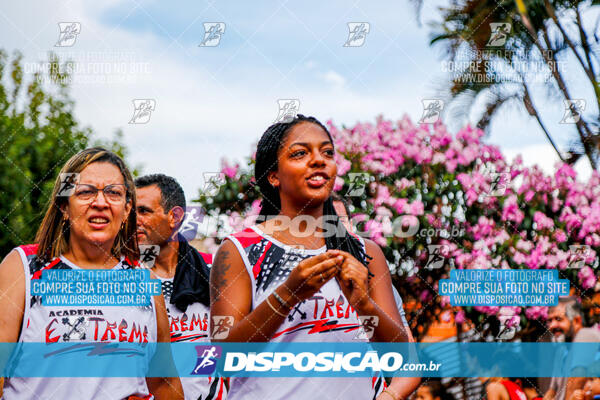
(171,193)
(528,382)
(266,161)
(437,390)
(336,197)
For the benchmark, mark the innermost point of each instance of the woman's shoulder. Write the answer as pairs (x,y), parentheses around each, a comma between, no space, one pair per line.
(11,268)
(371,248)
(20,256)
(246,237)
(12,260)
(229,250)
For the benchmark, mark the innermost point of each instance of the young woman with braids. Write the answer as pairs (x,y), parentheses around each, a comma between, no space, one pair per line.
(278,292)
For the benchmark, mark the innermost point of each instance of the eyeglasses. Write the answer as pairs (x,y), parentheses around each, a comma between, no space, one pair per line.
(114,193)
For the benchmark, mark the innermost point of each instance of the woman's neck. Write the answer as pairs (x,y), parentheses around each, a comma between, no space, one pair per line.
(293,226)
(90,255)
(292,210)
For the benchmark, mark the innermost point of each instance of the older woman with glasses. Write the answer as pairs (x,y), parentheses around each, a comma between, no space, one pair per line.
(90,223)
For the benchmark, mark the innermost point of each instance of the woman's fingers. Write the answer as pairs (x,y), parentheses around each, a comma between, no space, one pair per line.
(324,271)
(315,260)
(326,275)
(324,265)
(354,275)
(349,264)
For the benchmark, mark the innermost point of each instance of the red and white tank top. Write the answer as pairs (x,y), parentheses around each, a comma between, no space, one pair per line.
(515,392)
(75,324)
(192,326)
(325,317)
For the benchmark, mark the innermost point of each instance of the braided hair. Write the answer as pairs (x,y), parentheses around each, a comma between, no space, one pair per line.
(266,161)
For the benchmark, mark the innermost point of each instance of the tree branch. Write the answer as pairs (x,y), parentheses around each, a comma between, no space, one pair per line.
(580,124)
(584,41)
(587,68)
(534,112)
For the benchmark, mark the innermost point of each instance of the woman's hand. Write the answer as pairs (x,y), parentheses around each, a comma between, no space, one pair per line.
(577,394)
(354,281)
(310,275)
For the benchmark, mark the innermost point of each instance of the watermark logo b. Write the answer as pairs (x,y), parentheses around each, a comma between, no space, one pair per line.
(142,110)
(68,33)
(220,326)
(68,180)
(288,109)
(358,183)
(436,258)
(573,110)
(499,33)
(148,254)
(357,33)
(213,31)
(432,110)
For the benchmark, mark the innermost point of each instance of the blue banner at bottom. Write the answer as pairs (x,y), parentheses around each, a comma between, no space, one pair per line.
(300,359)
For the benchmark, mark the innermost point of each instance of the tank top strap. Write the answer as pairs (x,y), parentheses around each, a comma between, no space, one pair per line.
(247,242)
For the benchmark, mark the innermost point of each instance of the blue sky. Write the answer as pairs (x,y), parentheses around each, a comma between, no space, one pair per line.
(216,101)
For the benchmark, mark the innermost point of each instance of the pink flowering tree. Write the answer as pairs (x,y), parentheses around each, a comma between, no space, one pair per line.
(435,201)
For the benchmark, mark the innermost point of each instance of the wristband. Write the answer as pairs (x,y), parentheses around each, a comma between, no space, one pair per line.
(273,308)
(281,301)
(392,393)
(388,393)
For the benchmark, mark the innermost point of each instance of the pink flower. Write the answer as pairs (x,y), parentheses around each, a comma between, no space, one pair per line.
(529,195)
(409,221)
(255,208)
(542,221)
(471,196)
(535,259)
(519,258)
(489,310)
(483,228)
(468,155)
(425,296)
(559,236)
(339,184)
(565,175)
(451,165)
(460,317)
(416,208)
(512,321)
(228,170)
(587,277)
(403,184)
(343,165)
(524,245)
(400,205)
(469,135)
(511,211)
(464,179)
(383,195)
(536,312)
(438,158)
(445,300)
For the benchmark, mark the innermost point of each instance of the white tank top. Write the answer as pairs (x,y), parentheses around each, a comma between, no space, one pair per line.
(192,326)
(58,324)
(325,317)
